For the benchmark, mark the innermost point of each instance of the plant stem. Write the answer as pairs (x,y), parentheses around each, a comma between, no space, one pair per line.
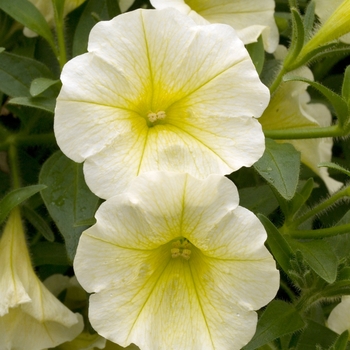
(320,233)
(305,133)
(322,206)
(62,54)
(14,166)
(27,140)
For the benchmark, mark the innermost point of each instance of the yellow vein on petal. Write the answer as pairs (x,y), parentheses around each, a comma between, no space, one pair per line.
(201,307)
(119,246)
(208,81)
(149,295)
(148,60)
(200,142)
(143,151)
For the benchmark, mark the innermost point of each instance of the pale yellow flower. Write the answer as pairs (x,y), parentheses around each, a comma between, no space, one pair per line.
(156,91)
(250,18)
(175,263)
(290,108)
(75,296)
(46,9)
(339,318)
(325,8)
(31,318)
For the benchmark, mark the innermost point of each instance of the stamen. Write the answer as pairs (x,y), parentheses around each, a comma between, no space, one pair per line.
(153,117)
(181,248)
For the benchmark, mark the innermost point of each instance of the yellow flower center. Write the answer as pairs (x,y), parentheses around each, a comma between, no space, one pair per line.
(153,117)
(181,248)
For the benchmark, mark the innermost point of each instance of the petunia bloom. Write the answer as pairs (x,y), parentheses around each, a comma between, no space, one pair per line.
(156,91)
(249,18)
(325,8)
(290,108)
(47,10)
(31,318)
(175,263)
(339,318)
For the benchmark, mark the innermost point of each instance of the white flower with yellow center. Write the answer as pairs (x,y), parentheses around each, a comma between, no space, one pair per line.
(175,263)
(339,318)
(250,18)
(290,108)
(156,91)
(47,10)
(31,318)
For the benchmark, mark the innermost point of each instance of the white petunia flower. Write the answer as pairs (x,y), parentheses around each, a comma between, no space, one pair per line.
(250,18)
(158,92)
(175,263)
(290,108)
(31,318)
(325,8)
(339,318)
(47,10)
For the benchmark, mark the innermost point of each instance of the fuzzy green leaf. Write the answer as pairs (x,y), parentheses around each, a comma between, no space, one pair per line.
(278,245)
(320,257)
(16,197)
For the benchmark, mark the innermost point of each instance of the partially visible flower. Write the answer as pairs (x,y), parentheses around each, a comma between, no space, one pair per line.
(290,108)
(325,8)
(175,263)
(156,91)
(335,25)
(47,10)
(30,316)
(339,318)
(75,297)
(125,4)
(249,18)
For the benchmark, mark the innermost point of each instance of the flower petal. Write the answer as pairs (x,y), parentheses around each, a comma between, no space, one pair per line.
(249,18)
(149,295)
(201,80)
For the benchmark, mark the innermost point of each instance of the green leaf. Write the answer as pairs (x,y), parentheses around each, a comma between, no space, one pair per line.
(258,199)
(46,104)
(342,342)
(339,105)
(16,197)
(346,86)
(257,54)
(278,319)
(300,198)
(39,85)
(38,222)
(67,197)
(316,334)
(298,35)
(278,245)
(319,255)
(24,12)
(337,289)
(280,167)
(86,222)
(45,253)
(85,24)
(309,19)
(335,167)
(18,72)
